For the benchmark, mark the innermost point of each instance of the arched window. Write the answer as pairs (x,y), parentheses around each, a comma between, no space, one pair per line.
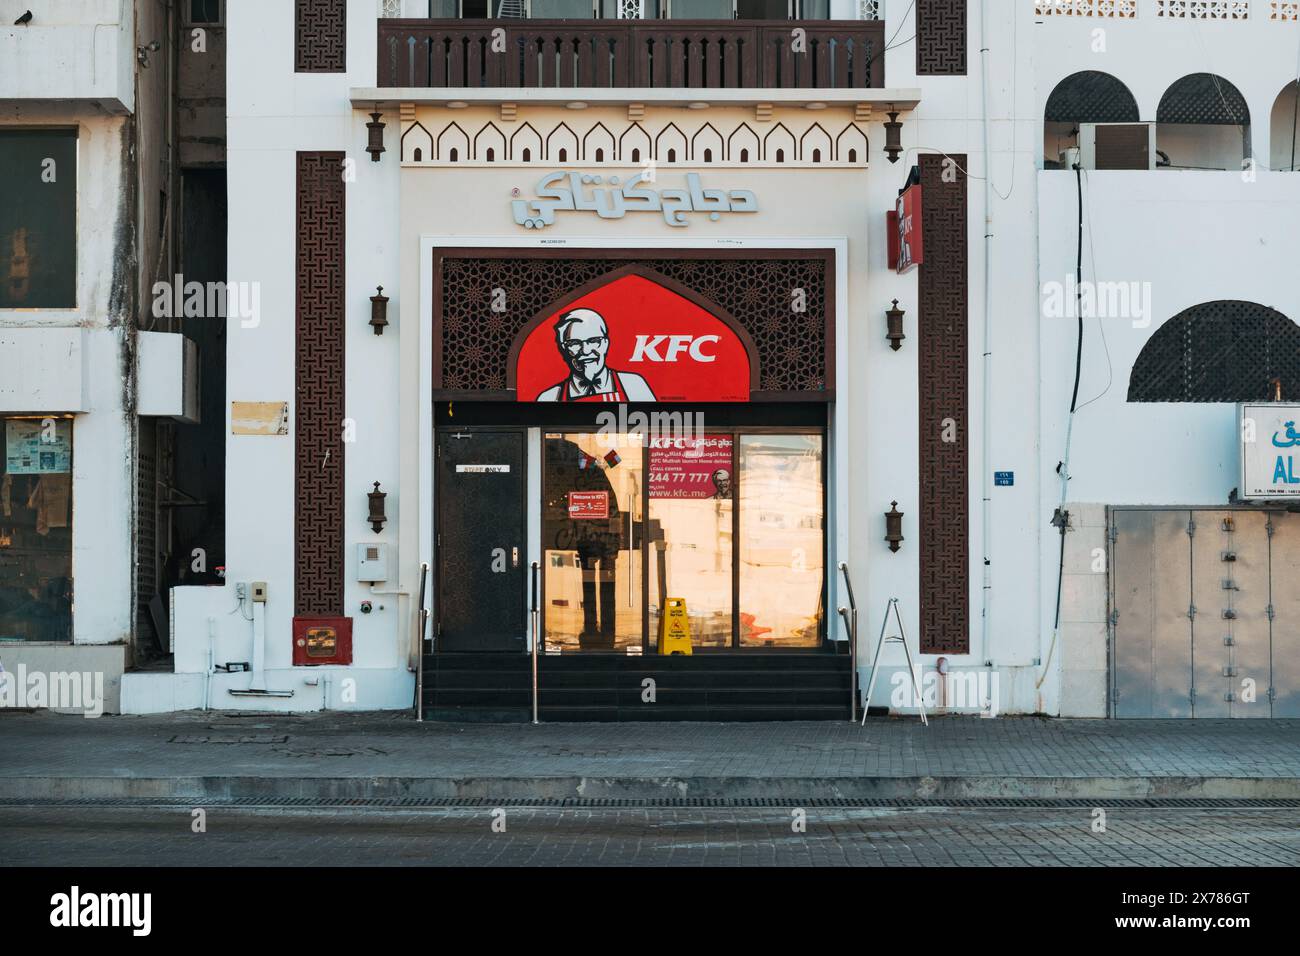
(1086,97)
(1225,351)
(1203,123)
(1285,126)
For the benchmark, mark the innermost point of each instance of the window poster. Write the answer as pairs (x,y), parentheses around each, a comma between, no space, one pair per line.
(38,446)
(700,467)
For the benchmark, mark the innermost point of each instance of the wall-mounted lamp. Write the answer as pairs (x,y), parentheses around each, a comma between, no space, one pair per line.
(142,52)
(894,319)
(379,311)
(893,526)
(377,516)
(376,144)
(893,137)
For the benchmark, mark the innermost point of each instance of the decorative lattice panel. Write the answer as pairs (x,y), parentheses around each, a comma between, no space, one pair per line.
(1226,351)
(1124,9)
(941,37)
(320,36)
(944,410)
(758,293)
(1091,97)
(1204,9)
(318,391)
(1203,98)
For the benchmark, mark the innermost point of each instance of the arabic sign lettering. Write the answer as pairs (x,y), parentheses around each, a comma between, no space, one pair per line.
(632,340)
(1270,450)
(691,467)
(613,197)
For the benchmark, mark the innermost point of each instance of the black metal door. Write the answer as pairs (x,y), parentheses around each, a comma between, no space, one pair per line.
(480,540)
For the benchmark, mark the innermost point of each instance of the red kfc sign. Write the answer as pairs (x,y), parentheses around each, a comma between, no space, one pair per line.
(905,252)
(632,340)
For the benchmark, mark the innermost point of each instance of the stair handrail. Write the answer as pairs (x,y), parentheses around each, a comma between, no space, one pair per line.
(421,620)
(532,619)
(850,617)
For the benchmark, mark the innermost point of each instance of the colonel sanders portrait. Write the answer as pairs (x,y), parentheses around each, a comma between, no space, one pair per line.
(721,484)
(582,337)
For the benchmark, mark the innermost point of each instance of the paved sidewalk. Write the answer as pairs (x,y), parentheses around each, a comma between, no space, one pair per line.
(332,756)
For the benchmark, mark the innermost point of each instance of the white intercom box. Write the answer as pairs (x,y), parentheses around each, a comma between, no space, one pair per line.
(372,562)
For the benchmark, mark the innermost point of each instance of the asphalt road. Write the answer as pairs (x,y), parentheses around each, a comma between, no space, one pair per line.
(151,836)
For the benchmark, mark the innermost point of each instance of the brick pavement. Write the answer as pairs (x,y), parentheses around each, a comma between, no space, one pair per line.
(368,751)
(687,837)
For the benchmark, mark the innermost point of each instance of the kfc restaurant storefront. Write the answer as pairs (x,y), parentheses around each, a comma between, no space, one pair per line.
(644,407)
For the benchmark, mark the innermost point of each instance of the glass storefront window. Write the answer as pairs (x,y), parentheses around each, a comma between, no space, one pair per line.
(691,533)
(731,523)
(782,540)
(36,530)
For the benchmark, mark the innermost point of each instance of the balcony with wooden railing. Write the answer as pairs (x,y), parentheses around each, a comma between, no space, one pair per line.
(632,54)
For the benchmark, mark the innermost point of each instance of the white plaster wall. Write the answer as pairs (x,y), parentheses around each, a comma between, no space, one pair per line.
(272,113)
(1194,237)
(72,49)
(947,121)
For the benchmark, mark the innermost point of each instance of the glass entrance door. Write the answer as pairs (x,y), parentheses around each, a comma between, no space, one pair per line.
(592,510)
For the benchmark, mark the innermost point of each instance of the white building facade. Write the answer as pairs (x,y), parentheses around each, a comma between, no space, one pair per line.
(85,372)
(578,216)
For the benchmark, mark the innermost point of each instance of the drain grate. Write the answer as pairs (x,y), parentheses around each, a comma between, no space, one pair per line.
(669,803)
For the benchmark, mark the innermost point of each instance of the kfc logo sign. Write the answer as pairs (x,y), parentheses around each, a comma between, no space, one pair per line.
(647,348)
(633,340)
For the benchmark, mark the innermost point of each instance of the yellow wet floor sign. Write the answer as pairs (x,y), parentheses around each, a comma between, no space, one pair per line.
(675,628)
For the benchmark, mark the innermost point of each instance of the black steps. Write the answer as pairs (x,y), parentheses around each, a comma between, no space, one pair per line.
(612,687)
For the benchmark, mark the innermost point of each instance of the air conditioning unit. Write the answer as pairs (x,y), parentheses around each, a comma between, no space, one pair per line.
(1117,145)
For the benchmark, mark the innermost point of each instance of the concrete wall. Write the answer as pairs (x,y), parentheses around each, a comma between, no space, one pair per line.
(71,50)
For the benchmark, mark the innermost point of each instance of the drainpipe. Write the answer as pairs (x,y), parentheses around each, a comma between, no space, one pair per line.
(986,522)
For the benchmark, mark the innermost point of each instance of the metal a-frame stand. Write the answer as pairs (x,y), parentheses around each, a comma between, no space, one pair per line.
(900,638)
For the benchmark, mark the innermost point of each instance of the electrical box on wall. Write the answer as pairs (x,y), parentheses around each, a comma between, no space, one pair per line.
(372,562)
(322,640)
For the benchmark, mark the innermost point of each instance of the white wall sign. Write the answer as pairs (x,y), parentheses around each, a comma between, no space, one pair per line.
(1270,450)
(613,198)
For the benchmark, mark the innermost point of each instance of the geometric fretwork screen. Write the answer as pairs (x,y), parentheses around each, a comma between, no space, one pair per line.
(1203,98)
(941,37)
(319,386)
(1225,351)
(320,36)
(944,409)
(1090,97)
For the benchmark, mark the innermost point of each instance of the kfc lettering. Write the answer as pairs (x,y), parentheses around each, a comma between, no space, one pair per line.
(633,340)
(647,345)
